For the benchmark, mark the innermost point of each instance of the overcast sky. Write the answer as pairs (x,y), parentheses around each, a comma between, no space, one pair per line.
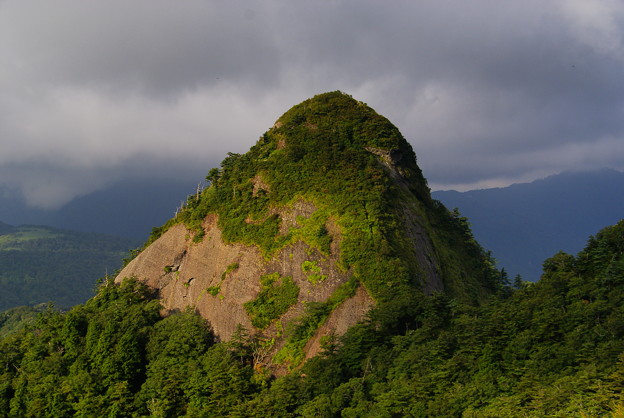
(488,92)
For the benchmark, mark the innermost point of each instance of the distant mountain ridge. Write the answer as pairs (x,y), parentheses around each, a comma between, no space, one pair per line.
(524,224)
(129,208)
(6,228)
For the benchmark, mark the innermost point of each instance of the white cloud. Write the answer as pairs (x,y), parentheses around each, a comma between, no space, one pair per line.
(597,23)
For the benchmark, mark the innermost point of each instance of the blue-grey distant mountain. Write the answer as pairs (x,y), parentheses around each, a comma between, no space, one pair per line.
(129,209)
(6,229)
(524,224)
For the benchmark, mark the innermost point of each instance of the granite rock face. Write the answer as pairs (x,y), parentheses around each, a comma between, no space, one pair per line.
(217,279)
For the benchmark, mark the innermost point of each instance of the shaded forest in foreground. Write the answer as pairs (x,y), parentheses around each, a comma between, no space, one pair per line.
(550,348)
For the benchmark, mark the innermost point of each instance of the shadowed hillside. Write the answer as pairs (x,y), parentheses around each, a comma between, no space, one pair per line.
(42,264)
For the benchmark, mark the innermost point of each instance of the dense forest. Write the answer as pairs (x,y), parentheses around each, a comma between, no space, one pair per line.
(550,348)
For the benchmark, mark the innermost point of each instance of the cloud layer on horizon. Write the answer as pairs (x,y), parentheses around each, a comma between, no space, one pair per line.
(487,92)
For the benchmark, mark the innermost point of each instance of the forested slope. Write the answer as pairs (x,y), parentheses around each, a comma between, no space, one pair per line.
(553,348)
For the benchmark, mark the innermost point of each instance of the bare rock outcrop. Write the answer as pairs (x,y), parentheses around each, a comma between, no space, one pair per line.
(216,278)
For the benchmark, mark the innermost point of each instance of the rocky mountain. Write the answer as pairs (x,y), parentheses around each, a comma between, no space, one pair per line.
(325,222)
(326,217)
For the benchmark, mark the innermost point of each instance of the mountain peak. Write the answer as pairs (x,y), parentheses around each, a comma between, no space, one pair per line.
(336,118)
(333,128)
(326,217)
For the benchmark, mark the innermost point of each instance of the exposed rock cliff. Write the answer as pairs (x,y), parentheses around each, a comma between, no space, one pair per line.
(217,279)
(327,216)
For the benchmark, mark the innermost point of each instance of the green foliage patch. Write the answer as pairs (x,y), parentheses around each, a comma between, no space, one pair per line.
(301,330)
(229,269)
(214,290)
(310,267)
(313,271)
(277,295)
(314,232)
(316,278)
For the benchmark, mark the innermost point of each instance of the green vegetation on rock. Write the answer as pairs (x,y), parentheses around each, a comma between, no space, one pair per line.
(312,271)
(305,326)
(356,168)
(276,296)
(229,269)
(214,290)
(310,267)
(553,348)
(314,231)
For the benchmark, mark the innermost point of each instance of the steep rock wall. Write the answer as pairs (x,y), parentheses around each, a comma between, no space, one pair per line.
(185,272)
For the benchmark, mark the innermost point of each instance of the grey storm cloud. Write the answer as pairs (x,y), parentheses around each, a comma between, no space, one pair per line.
(487,92)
